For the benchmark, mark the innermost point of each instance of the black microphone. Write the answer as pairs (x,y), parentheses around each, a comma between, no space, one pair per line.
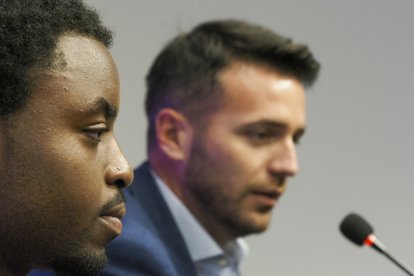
(358,230)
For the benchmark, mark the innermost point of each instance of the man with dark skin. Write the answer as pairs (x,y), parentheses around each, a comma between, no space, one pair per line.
(61,169)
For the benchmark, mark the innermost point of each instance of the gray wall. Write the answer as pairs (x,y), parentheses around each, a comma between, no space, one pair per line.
(357,154)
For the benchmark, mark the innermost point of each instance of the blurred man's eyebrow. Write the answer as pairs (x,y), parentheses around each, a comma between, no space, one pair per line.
(268,124)
(102,106)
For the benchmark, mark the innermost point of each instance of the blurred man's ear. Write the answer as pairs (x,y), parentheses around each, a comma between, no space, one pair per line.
(173,133)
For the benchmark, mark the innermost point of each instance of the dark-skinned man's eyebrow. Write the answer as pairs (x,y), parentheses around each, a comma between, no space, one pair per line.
(102,106)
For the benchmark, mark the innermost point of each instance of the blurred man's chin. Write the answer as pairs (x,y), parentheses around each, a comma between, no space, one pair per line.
(82,264)
(245,226)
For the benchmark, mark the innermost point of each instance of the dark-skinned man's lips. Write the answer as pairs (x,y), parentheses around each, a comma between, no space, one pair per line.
(113,212)
(112,218)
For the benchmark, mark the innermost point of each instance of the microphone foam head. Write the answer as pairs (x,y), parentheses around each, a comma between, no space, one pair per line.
(355,228)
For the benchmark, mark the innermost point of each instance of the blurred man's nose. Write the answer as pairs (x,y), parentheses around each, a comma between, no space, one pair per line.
(284,160)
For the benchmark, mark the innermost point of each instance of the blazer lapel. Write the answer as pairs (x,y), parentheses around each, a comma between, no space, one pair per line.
(149,196)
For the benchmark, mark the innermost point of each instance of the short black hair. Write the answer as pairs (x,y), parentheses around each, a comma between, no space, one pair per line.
(184,74)
(29,30)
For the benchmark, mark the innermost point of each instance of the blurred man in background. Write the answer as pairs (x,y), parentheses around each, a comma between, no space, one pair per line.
(226,108)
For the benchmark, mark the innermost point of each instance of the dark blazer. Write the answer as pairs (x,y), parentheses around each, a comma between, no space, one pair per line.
(150,243)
